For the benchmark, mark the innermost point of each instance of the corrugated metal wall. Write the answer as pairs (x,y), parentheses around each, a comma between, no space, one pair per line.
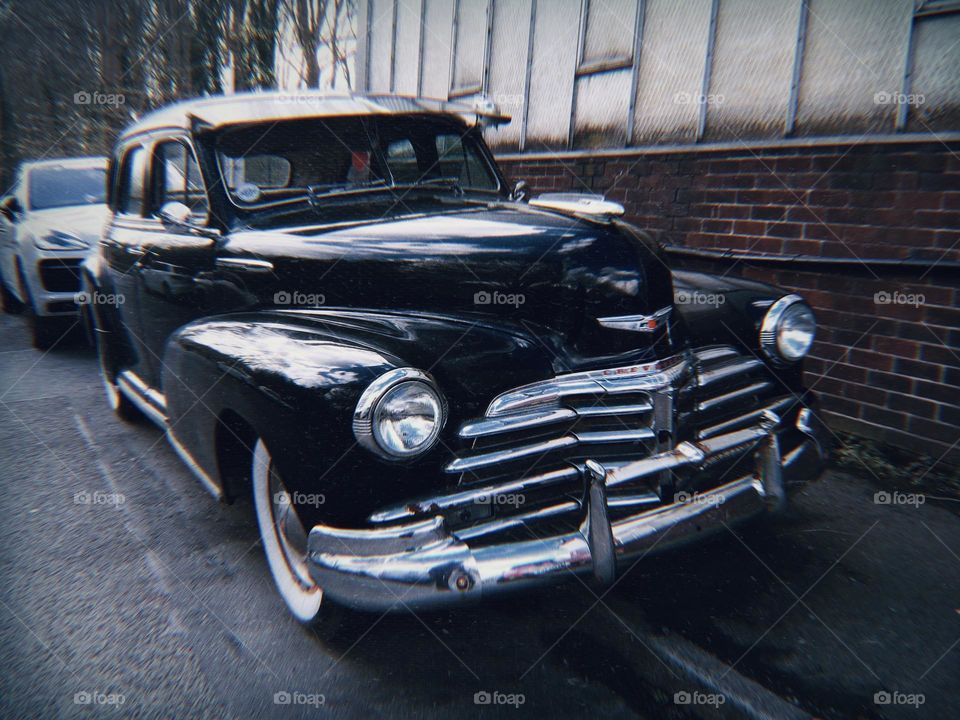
(613,73)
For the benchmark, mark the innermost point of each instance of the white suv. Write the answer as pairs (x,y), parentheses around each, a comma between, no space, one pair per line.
(48,223)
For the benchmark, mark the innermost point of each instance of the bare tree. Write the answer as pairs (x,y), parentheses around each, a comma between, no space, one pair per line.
(318,25)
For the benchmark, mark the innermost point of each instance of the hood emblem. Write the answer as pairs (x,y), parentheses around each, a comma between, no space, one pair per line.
(637,323)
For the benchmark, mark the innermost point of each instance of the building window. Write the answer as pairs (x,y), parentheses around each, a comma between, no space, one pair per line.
(607,35)
(470,43)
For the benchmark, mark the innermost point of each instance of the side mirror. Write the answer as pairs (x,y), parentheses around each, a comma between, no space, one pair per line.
(176,214)
(10,207)
(519,192)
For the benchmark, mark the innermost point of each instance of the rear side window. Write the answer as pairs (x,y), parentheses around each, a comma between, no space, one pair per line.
(176,178)
(130,195)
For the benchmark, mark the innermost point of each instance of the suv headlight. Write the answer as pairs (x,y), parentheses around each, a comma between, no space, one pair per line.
(400,415)
(59,240)
(788,329)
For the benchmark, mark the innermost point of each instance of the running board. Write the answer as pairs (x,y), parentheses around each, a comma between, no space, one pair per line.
(153,404)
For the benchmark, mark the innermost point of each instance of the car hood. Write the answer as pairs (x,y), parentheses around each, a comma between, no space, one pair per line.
(533,268)
(84,221)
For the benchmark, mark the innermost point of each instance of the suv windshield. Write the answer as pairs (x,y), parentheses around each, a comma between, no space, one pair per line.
(58,186)
(268,163)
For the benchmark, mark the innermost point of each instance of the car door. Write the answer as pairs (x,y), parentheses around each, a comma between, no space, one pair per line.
(179,256)
(11,216)
(122,249)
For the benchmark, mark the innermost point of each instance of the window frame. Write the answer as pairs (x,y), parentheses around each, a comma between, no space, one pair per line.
(122,180)
(152,191)
(623,62)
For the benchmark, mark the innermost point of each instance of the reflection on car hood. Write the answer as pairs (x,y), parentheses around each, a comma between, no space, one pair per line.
(84,221)
(516,265)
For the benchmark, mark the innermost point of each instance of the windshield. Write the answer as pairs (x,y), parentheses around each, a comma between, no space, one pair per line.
(58,186)
(269,163)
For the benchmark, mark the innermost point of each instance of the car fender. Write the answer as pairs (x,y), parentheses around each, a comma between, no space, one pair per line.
(295,378)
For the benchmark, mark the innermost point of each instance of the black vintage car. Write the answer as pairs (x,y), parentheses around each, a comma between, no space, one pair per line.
(433,389)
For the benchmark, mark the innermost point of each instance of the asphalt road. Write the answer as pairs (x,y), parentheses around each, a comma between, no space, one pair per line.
(127,591)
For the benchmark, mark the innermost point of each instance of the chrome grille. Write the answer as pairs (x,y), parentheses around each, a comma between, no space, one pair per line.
(532,441)
(732,392)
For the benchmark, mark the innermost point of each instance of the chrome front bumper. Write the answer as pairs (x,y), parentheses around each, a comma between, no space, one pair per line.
(422,564)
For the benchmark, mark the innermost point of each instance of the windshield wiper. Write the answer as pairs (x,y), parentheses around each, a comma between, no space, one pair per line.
(318,192)
(443,182)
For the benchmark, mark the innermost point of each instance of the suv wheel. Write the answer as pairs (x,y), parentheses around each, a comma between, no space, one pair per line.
(10,303)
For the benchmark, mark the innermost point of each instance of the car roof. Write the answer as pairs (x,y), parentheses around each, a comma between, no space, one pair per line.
(244,108)
(93,161)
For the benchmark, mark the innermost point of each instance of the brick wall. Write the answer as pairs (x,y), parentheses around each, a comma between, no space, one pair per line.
(889,371)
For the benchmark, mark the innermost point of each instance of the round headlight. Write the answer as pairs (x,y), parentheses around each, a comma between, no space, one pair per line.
(400,415)
(788,329)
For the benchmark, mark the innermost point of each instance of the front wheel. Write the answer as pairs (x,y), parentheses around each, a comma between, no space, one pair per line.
(284,540)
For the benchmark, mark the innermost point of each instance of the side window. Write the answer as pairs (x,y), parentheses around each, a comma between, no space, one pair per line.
(176,178)
(130,195)
(402,161)
(465,166)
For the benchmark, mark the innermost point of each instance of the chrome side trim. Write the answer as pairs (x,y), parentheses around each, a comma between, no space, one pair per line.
(129,384)
(636,323)
(247,264)
(153,404)
(194,466)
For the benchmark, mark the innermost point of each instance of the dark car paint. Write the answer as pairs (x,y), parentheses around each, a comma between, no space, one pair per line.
(397,283)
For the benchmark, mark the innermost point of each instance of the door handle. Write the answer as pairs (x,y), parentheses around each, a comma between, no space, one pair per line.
(253,265)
